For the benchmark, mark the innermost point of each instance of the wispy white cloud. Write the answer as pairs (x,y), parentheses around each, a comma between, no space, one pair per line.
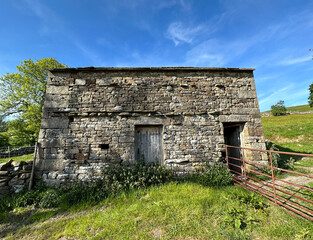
(180,33)
(148,5)
(37,8)
(215,52)
(154,58)
(165,4)
(275,96)
(87,52)
(185,4)
(183,32)
(293,61)
(52,19)
(219,52)
(208,53)
(293,94)
(268,77)
(49,17)
(161,4)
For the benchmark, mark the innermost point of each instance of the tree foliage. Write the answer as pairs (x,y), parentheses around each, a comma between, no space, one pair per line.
(22,97)
(3,125)
(4,138)
(311,95)
(279,108)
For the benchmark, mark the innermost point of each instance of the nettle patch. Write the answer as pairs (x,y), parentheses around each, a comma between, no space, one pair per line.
(116,179)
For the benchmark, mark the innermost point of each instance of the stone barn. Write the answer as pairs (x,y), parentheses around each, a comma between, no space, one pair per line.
(177,116)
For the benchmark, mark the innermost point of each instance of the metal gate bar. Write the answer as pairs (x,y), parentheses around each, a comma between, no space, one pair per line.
(300,205)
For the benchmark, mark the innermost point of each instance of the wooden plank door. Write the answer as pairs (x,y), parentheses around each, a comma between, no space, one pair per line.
(148,144)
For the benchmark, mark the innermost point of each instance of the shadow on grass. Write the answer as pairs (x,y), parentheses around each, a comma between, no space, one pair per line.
(287,156)
(13,221)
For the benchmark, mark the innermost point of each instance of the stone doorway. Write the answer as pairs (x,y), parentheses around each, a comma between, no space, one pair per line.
(232,136)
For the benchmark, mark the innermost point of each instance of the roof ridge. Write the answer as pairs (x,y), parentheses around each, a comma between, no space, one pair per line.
(150,69)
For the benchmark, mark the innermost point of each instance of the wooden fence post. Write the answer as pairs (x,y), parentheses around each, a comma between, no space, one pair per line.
(33,167)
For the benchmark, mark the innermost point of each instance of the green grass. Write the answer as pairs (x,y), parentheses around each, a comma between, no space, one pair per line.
(172,211)
(301,108)
(19,158)
(305,163)
(290,132)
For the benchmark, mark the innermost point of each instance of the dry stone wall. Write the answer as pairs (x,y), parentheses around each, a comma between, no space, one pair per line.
(17,152)
(90,117)
(14,176)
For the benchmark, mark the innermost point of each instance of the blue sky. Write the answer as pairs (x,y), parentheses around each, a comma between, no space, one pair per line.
(272,36)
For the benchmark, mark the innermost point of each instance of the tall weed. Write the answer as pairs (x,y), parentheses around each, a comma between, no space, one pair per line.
(139,175)
(278,161)
(215,174)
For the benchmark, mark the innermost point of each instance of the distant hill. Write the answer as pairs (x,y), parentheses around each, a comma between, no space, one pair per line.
(301,108)
(292,110)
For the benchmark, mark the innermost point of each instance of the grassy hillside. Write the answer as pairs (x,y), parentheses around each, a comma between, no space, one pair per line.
(172,211)
(294,132)
(300,108)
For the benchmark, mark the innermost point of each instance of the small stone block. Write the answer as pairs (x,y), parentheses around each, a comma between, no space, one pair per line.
(80,82)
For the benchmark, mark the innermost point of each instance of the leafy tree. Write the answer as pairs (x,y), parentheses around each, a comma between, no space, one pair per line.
(22,96)
(4,138)
(3,125)
(20,133)
(311,95)
(279,108)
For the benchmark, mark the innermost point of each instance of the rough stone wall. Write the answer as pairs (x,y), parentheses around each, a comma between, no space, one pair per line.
(86,108)
(14,176)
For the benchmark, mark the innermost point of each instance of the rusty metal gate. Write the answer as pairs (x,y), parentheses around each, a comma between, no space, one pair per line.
(282,186)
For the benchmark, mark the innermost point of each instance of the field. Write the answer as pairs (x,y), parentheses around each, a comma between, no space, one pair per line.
(19,158)
(171,211)
(291,132)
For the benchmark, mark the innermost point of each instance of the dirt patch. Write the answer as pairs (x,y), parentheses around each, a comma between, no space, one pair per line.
(158,233)
(301,180)
(281,139)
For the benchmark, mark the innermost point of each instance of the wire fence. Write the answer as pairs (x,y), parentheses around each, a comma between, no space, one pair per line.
(14,151)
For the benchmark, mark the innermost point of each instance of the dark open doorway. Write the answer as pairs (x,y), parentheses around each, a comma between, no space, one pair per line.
(232,132)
